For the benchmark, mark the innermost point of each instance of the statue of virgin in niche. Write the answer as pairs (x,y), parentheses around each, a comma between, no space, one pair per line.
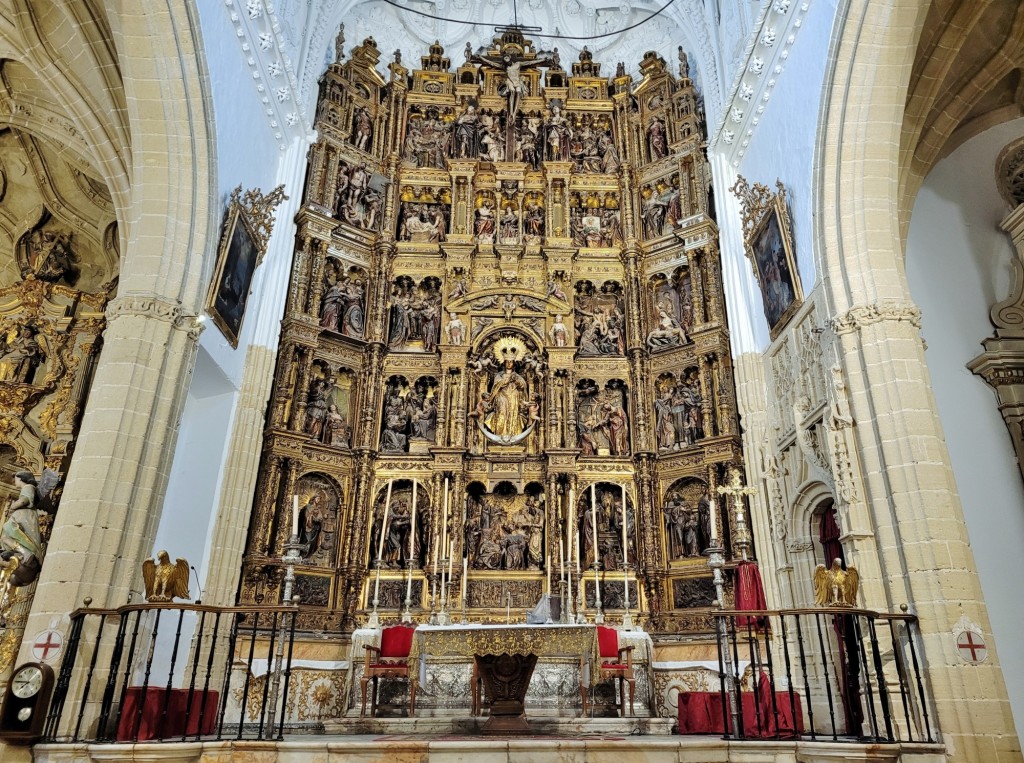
(508,401)
(508,407)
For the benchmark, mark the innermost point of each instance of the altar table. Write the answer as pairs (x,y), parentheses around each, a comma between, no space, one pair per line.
(700,712)
(505,657)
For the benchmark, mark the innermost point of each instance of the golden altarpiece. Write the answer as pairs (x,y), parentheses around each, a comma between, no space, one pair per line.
(505,307)
(56,286)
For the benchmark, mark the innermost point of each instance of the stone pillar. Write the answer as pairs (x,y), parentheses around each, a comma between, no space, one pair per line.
(114,490)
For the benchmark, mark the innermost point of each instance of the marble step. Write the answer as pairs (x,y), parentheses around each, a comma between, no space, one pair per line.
(540,725)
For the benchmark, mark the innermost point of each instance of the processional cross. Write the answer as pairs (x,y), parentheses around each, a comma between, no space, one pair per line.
(735,489)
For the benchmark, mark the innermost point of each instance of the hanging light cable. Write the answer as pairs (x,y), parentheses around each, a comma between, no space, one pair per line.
(534,34)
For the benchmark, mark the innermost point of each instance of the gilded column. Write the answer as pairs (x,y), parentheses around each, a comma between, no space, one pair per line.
(696,267)
(267,495)
(301,398)
(316,277)
(707,409)
(374,388)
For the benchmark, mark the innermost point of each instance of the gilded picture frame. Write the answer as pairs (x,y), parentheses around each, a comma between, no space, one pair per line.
(768,240)
(237,258)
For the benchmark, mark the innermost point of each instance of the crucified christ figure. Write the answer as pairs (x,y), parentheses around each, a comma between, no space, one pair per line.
(515,85)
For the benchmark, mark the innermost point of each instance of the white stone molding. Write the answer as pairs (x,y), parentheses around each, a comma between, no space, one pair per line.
(1001,365)
(856,318)
(1010,173)
(258,32)
(768,48)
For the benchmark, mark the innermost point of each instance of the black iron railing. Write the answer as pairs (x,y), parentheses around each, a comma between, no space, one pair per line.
(173,672)
(840,675)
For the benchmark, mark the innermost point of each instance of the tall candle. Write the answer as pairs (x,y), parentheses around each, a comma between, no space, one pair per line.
(547,565)
(593,519)
(561,559)
(444,520)
(451,559)
(295,514)
(574,538)
(625,541)
(384,522)
(465,570)
(714,522)
(412,524)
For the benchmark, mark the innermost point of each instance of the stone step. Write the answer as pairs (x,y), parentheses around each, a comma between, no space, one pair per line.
(539,725)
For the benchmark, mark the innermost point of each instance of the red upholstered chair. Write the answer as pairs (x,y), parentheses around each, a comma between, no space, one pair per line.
(612,662)
(389,660)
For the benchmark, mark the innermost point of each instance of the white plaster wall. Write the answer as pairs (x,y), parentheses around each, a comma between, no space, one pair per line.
(958,265)
(247,155)
(187,517)
(782,147)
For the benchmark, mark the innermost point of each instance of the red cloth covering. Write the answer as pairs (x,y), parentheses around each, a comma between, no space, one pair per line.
(176,723)
(750,595)
(608,642)
(700,712)
(396,641)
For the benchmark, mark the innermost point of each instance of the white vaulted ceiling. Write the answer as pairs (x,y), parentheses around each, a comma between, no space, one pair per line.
(288,43)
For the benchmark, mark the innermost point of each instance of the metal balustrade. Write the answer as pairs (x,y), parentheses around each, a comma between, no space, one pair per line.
(164,672)
(180,672)
(841,675)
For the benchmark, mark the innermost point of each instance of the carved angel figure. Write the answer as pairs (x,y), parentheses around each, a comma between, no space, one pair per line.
(836,587)
(165,581)
(24,531)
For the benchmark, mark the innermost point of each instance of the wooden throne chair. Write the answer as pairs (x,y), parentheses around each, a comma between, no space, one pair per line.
(612,662)
(389,660)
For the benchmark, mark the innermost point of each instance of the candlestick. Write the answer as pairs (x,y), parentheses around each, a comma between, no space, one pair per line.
(625,542)
(407,612)
(444,520)
(384,522)
(593,519)
(574,539)
(412,528)
(295,514)
(374,620)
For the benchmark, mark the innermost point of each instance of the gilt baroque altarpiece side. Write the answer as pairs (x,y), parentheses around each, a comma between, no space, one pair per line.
(506,292)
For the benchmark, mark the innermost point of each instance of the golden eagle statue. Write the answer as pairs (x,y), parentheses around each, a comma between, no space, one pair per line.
(834,586)
(165,581)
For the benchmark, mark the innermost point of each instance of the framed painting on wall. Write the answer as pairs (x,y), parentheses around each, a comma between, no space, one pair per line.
(237,259)
(769,244)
